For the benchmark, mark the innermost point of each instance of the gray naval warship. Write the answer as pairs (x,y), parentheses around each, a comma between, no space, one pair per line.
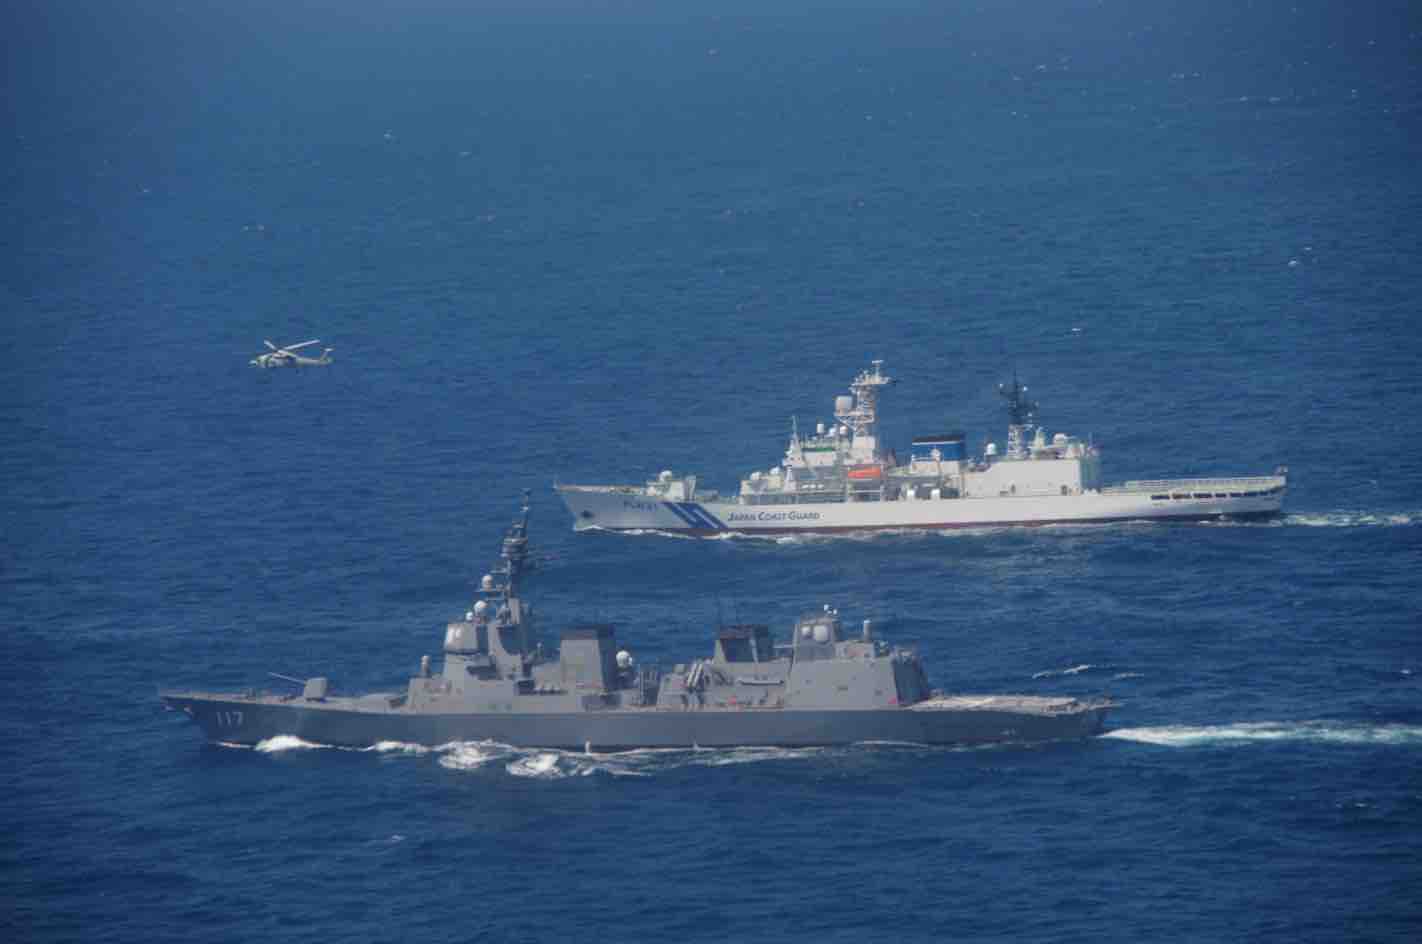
(822,687)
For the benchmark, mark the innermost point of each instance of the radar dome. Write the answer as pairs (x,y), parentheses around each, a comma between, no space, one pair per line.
(843,404)
(486,582)
(481,608)
(624,659)
(822,632)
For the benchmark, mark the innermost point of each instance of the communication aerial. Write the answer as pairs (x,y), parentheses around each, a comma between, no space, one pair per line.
(1021,416)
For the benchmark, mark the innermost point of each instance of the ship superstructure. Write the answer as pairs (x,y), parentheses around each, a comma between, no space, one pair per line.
(840,478)
(824,685)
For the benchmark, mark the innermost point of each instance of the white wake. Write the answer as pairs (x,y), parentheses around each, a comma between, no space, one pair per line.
(1316,732)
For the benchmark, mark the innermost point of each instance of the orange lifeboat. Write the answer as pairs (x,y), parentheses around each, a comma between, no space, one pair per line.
(863,472)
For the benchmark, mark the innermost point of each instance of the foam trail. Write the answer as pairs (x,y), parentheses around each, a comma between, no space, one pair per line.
(1050,673)
(1314,732)
(286,742)
(722,757)
(544,766)
(471,755)
(1351,519)
(396,747)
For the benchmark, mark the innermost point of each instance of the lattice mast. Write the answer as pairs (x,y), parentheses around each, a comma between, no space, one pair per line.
(1021,417)
(859,413)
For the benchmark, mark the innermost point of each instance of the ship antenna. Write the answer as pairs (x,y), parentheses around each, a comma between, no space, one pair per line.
(1021,416)
(515,549)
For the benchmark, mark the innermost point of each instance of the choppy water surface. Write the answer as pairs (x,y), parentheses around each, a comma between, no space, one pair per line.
(594,242)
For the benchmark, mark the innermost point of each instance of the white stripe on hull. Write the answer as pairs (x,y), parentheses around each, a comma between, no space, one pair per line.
(623,510)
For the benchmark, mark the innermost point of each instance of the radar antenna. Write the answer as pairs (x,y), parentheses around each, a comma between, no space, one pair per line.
(1021,416)
(860,412)
(514,552)
(510,620)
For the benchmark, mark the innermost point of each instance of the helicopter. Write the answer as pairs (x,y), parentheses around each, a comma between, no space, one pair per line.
(287,356)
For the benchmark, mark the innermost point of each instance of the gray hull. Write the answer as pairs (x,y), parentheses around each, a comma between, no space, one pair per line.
(960,720)
(820,687)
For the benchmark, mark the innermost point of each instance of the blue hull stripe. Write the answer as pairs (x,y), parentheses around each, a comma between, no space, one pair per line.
(677,510)
(697,516)
(717,523)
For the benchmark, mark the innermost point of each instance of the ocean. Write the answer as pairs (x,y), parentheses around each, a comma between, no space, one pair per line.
(585,242)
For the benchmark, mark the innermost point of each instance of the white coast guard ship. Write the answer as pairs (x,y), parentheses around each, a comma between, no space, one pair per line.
(840,479)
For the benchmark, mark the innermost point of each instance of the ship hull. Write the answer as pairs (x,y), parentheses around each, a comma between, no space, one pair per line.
(623,509)
(954,720)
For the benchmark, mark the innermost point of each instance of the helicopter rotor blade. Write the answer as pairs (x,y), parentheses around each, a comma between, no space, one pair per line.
(270,345)
(297,347)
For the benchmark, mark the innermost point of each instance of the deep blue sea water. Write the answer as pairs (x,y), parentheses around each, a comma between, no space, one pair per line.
(594,240)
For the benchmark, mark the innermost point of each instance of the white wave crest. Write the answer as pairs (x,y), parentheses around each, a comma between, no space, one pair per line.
(1351,519)
(1318,732)
(724,757)
(645,532)
(471,755)
(396,747)
(286,742)
(542,766)
(553,764)
(1053,673)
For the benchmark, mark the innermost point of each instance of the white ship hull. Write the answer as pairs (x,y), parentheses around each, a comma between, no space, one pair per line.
(627,508)
(840,478)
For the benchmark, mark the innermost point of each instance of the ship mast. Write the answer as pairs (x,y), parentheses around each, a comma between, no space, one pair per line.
(513,554)
(1021,416)
(860,413)
(511,617)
